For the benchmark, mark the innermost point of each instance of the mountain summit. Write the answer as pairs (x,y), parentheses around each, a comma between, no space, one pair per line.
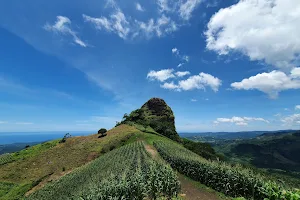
(156,114)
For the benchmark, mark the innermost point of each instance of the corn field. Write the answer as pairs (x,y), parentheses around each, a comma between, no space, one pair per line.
(5,158)
(234,181)
(128,172)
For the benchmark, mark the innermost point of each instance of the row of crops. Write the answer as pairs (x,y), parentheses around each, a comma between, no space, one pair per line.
(128,172)
(5,158)
(234,181)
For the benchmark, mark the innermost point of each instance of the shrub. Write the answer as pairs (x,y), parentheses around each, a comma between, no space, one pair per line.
(102,131)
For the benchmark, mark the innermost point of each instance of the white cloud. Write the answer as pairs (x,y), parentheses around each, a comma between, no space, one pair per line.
(297,107)
(264,30)
(127,27)
(175,51)
(163,6)
(62,26)
(286,109)
(3,122)
(184,58)
(180,64)
(181,74)
(162,26)
(186,8)
(240,121)
(24,123)
(194,100)
(291,120)
(170,86)
(139,7)
(295,72)
(161,75)
(277,115)
(117,23)
(270,83)
(200,81)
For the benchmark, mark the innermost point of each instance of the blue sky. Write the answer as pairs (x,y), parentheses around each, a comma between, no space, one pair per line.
(80,65)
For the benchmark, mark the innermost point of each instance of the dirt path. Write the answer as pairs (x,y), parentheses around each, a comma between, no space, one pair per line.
(192,192)
(151,150)
(189,190)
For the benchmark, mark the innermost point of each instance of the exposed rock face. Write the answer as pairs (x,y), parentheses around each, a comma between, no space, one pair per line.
(157,114)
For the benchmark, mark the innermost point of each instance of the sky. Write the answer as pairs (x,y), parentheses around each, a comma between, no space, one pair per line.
(80,65)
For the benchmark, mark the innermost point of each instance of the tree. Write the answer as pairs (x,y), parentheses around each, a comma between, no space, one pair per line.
(102,131)
(64,139)
(125,117)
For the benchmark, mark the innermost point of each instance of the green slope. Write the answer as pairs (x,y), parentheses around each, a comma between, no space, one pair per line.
(128,173)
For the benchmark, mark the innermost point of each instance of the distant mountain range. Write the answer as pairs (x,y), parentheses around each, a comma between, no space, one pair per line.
(232,135)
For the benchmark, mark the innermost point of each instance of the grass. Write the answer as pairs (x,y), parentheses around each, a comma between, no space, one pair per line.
(51,160)
(128,172)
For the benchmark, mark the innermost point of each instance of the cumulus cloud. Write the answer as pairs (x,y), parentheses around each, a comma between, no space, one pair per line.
(200,81)
(270,83)
(161,75)
(139,7)
(264,30)
(181,74)
(295,73)
(170,86)
(291,120)
(62,26)
(240,121)
(297,107)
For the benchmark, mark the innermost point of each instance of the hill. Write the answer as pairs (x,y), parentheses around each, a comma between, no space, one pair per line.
(156,114)
(37,165)
(10,148)
(277,151)
(132,161)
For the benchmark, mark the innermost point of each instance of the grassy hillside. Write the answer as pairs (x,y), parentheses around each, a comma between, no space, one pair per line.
(45,162)
(275,151)
(128,172)
(235,181)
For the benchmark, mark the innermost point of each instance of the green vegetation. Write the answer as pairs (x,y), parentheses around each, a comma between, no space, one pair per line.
(102,131)
(203,149)
(64,139)
(125,173)
(45,162)
(156,114)
(5,158)
(274,153)
(234,181)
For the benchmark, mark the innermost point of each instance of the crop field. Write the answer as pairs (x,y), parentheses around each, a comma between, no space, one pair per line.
(234,181)
(128,172)
(5,158)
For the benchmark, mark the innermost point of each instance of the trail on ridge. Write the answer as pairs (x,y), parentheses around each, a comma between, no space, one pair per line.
(188,190)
